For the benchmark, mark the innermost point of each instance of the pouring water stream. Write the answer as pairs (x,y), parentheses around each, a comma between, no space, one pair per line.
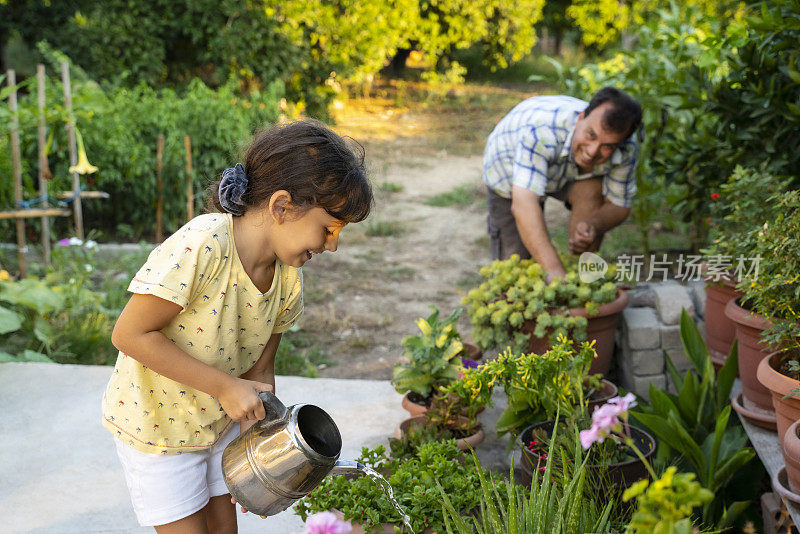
(387,488)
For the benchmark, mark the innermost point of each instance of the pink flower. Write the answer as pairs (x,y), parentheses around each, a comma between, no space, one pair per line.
(588,437)
(326,523)
(624,403)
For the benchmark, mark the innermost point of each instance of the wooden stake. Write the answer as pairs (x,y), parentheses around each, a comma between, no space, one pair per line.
(16,162)
(40,81)
(189,191)
(73,151)
(33,213)
(159,190)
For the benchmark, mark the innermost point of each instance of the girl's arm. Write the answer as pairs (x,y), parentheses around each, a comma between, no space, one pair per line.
(137,334)
(264,369)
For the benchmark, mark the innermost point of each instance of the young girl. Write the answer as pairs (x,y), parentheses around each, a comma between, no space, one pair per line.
(198,337)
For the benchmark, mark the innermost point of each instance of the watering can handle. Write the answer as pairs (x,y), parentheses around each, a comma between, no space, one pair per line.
(273,406)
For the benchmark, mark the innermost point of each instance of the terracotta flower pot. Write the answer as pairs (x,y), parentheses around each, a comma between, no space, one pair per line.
(752,350)
(720,330)
(464,444)
(412,407)
(621,474)
(787,410)
(791,454)
(600,327)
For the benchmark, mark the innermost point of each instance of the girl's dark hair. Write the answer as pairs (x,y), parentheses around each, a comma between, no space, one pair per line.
(313,163)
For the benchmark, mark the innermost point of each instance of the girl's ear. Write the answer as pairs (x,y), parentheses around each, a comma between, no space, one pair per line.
(279,206)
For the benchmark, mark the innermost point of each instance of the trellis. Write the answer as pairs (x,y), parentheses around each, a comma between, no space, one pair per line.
(24,209)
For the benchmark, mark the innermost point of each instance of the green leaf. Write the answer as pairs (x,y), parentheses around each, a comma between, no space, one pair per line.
(731,513)
(693,344)
(661,403)
(33,356)
(687,398)
(671,430)
(9,320)
(729,466)
(719,431)
(32,294)
(727,375)
(673,372)
(6,357)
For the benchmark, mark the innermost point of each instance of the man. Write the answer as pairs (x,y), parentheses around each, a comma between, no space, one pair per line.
(582,154)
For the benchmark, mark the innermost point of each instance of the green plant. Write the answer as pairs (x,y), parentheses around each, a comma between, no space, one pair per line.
(462,196)
(666,505)
(744,203)
(384,229)
(538,386)
(431,359)
(515,291)
(413,481)
(558,502)
(774,290)
(694,426)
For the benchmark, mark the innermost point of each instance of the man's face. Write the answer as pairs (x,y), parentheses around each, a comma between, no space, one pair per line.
(591,143)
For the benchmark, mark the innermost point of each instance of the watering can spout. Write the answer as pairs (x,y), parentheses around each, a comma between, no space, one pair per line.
(347,467)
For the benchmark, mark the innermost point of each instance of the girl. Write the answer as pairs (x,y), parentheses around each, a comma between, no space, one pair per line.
(198,337)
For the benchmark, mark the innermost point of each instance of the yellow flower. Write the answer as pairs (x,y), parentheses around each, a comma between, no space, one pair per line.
(83,166)
(424,327)
(4,276)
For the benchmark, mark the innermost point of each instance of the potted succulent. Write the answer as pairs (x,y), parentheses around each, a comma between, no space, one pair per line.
(430,360)
(516,307)
(414,483)
(767,316)
(744,205)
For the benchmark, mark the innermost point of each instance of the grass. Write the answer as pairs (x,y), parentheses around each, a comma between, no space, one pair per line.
(298,356)
(384,229)
(390,187)
(462,196)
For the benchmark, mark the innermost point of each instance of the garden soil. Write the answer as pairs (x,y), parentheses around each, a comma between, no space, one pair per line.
(364,299)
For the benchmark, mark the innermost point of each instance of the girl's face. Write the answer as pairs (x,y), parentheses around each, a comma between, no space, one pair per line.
(296,239)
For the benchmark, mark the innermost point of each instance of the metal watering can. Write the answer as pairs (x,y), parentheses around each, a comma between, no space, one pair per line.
(283,457)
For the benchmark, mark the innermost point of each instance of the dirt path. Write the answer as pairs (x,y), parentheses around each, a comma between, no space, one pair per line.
(362,300)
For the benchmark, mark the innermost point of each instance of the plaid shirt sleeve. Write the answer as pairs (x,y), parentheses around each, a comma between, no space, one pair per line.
(532,157)
(619,185)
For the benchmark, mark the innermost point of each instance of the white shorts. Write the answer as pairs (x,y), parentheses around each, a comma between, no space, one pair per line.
(166,488)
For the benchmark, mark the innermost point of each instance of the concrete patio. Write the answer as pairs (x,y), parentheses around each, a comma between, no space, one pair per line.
(60,471)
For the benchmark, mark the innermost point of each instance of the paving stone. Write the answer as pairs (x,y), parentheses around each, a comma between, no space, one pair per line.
(697,290)
(641,384)
(671,298)
(679,359)
(641,297)
(640,328)
(671,337)
(645,361)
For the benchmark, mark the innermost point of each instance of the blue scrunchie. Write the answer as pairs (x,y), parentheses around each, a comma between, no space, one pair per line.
(232,188)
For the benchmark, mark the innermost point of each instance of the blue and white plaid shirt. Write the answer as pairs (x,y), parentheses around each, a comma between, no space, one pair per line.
(531,148)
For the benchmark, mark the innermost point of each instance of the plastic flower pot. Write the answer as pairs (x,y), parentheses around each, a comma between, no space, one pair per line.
(752,350)
(720,330)
(607,390)
(787,410)
(464,443)
(600,327)
(621,474)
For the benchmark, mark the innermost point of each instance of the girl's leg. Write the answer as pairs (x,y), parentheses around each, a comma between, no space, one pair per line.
(221,515)
(193,524)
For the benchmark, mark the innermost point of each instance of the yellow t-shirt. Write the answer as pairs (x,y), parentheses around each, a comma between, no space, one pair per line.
(225,322)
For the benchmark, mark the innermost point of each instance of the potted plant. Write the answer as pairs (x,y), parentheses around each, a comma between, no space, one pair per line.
(779,372)
(538,386)
(454,410)
(516,307)
(430,360)
(744,205)
(768,315)
(791,455)
(414,483)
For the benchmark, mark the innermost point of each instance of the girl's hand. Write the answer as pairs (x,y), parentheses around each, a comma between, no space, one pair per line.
(244,510)
(241,402)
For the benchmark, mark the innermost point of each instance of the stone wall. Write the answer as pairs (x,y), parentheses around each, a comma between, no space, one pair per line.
(650,326)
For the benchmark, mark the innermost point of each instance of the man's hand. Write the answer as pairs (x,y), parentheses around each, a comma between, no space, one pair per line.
(582,237)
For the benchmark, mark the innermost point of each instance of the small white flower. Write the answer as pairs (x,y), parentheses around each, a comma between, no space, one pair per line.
(91,244)
(87,267)
(75,242)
